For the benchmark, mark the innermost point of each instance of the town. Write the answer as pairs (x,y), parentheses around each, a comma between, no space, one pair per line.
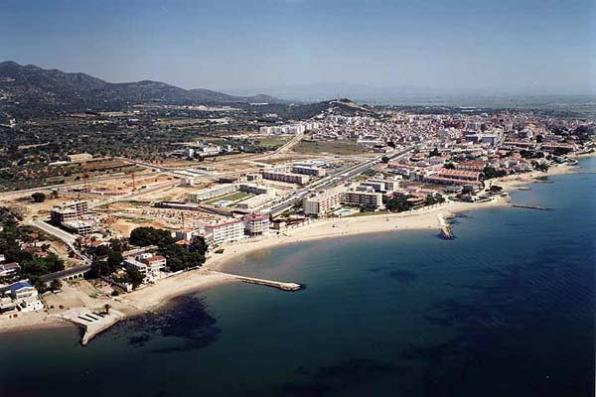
(81,230)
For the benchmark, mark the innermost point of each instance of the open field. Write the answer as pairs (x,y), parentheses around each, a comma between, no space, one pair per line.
(329,147)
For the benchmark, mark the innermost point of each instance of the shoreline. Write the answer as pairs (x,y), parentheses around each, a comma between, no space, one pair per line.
(155,296)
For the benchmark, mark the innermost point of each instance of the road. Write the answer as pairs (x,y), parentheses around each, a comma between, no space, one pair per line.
(334,180)
(62,235)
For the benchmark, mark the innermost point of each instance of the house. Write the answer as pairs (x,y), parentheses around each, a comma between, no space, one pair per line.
(148,265)
(22,290)
(9,269)
(24,297)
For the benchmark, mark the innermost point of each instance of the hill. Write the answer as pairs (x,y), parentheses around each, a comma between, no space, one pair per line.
(29,85)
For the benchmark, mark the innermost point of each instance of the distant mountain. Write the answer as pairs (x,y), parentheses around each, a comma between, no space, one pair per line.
(32,85)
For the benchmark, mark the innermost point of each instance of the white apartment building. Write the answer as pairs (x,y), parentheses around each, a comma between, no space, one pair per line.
(321,203)
(363,198)
(256,224)
(224,232)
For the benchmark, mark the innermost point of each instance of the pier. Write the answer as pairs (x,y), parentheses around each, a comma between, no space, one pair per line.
(292,287)
(446,232)
(531,207)
(91,322)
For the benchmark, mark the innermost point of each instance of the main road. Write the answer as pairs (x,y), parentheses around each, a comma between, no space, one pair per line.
(335,179)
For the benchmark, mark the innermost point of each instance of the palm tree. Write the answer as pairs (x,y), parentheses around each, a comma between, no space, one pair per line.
(107,308)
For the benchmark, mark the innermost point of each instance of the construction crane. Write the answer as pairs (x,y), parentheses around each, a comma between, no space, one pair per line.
(85,178)
(134,185)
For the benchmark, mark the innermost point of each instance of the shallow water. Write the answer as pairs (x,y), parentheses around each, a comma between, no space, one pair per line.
(506,309)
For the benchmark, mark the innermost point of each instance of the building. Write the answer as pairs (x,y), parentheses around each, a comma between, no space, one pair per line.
(80,227)
(471,165)
(68,212)
(321,203)
(185,234)
(253,188)
(365,197)
(210,193)
(256,224)
(150,266)
(79,157)
(255,202)
(308,170)
(20,295)
(224,232)
(454,177)
(285,177)
(9,269)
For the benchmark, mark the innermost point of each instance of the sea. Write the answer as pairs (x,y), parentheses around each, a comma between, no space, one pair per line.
(506,309)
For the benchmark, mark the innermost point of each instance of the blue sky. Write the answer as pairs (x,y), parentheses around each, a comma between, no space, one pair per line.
(244,45)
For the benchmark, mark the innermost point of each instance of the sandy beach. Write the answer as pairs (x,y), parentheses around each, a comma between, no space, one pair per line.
(153,296)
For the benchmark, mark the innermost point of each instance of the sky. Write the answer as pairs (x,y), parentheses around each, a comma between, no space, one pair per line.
(456,46)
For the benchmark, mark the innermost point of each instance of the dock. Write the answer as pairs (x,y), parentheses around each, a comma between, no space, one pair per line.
(292,287)
(91,322)
(531,207)
(446,232)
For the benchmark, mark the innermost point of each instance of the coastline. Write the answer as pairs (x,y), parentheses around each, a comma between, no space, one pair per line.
(155,296)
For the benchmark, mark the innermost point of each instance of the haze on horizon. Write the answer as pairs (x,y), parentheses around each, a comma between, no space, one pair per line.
(291,46)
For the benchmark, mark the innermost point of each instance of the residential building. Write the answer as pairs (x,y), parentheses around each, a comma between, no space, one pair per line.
(285,177)
(320,204)
(366,197)
(256,224)
(68,212)
(224,232)
(9,269)
(150,266)
(308,170)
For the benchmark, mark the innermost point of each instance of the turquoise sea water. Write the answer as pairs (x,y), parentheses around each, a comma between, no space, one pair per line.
(506,309)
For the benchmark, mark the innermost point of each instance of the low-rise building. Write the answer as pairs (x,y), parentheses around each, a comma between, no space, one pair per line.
(81,227)
(150,266)
(286,177)
(212,192)
(9,269)
(308,170)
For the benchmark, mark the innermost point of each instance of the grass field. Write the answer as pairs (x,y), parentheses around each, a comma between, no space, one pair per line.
(272,142)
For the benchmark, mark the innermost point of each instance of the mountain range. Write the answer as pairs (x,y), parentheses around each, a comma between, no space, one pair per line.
(32,85)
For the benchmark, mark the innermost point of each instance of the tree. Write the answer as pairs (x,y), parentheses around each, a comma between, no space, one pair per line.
(135,277)
(56,285)
(38,197)
(398,203)
(114,260)
(198,244)
(385,159)
(143,236)
(449,166)
(435,153)
(490,172)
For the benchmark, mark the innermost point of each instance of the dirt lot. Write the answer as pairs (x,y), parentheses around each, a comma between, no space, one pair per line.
(330,147)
